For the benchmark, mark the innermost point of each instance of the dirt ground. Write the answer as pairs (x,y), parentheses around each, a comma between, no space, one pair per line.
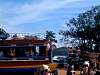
(64,72)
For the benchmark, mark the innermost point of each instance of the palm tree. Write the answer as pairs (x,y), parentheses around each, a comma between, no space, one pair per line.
(50,36)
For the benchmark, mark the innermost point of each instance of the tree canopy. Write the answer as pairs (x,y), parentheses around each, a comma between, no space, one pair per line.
(50,36)
(3,34)
(86,29)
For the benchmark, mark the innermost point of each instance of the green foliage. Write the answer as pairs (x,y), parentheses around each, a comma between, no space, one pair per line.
(86,29)
(50,36)
(3,34)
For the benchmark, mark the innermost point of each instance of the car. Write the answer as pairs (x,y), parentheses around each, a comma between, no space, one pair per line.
(59,59)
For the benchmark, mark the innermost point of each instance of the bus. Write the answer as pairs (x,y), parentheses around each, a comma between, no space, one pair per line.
(23,55)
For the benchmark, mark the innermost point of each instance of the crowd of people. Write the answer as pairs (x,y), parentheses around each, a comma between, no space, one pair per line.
(68,69)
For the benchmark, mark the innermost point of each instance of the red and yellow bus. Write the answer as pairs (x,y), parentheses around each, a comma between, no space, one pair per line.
(23,54)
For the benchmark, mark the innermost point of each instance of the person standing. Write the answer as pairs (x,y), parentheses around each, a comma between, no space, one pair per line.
(69,68)
(49,48)
(45,70)
(1,53)
(86,68)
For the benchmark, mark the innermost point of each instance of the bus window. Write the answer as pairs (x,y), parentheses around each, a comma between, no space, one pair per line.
(10,52)
(20,52)
(42,50)
(34,51)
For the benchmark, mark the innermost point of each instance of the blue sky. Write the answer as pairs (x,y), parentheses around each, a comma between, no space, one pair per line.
(33,16)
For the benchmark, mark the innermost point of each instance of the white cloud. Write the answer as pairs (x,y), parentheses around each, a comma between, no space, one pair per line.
(32,12)
(14,14)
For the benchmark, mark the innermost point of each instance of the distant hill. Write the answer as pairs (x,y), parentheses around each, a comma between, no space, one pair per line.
(62,51)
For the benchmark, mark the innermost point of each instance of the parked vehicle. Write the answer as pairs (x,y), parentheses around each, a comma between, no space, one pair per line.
(59,59)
